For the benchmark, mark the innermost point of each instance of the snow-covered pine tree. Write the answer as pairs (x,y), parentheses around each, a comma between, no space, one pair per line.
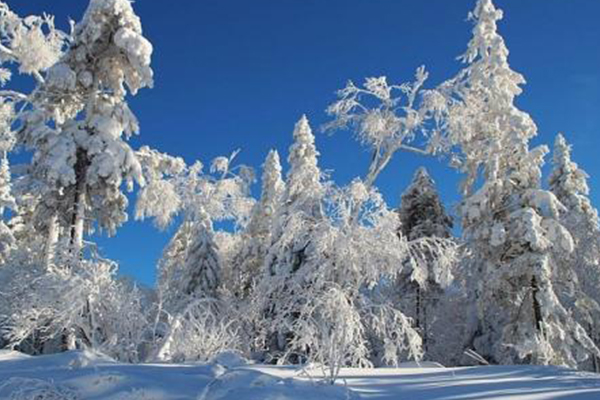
(256,239)
(198,314)
(191,262)
(510,223)
(301,203)
(578,274)
(422,214)
(79,123)
(202,270)
(291,246)
(303,186)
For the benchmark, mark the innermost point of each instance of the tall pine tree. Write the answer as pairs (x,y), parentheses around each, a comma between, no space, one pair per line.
(509,222)
(578,273)
(257,236)
(422,215)
(291,246)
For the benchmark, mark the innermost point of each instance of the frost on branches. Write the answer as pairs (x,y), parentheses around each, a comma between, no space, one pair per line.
(577,273)
(257,236)
(511,225)
(419,288)
(87,308)
(79,123)
(386,117)
(292,244)
(75,122)
(197,314)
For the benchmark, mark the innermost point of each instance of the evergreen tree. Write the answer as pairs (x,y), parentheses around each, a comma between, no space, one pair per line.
(578,273)
(510,224)
(291,247)
(303,190)
(79,123)
(301,203)
(422,215)
(202,270)
(257,236)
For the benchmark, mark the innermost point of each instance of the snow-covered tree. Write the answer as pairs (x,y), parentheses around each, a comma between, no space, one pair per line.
(422,215)
(386,117)
(30,45)
(190,264)
(510,223)
(75,123)
(578,273)
(300,212)
(303,189)
(192,289)
(84,308)
(202,265)
(569,183)
(256,239)
(79,122)
(301,202)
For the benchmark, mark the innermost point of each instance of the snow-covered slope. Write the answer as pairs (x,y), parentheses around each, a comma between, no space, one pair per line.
(88,376)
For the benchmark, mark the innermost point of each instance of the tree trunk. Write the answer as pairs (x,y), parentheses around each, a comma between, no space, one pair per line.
(51,242)
(78,210)
(418,307)
(537,309)
(424,324)
(595,363)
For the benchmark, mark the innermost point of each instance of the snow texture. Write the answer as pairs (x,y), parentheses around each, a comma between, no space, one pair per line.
(91,376)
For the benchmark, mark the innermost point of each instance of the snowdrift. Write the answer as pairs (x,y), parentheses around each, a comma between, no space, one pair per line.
(83,375)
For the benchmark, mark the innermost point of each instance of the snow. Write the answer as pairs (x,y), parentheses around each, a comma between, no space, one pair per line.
(91,376)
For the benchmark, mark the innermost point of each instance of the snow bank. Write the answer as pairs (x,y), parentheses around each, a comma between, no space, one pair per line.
(9,355)
(35,389)
(252,385)
(84,375)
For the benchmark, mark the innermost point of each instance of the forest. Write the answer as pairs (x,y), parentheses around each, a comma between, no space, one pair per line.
(310,271)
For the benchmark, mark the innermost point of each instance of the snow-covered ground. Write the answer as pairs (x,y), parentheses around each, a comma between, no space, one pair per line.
(86,376)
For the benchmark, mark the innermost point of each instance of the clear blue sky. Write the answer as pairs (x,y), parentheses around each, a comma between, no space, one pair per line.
(239,73)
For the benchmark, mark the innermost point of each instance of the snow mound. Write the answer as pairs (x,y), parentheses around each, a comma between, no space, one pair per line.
(230,359)
(11,355)
(252,385)
(82,359)
(35,389)
(420,364)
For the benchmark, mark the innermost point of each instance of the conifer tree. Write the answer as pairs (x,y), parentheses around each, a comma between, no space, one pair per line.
(422,215)
(300,211)
(510,223)
(304,190)
(301,202)
(202,273)
(79,124)
(256,239)
(578,273)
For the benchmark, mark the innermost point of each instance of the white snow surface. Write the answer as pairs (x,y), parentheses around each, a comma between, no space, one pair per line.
(81,375)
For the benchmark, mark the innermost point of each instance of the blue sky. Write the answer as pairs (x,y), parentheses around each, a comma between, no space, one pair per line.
(238,74)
